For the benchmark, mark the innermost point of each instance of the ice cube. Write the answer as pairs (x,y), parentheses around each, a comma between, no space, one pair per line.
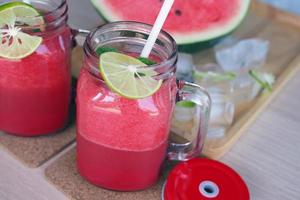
(222,109)
(185,67)
(245,89)
(243,55)
(213,78)
(210,67)
(226,42)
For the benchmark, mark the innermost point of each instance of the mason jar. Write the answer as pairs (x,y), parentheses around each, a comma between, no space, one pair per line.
(35,90)
(121,142)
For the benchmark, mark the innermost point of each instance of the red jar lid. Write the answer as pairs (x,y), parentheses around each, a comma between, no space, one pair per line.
(204,179)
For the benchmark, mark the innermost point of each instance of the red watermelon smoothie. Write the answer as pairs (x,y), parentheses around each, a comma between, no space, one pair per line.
(35,90)
(121,143)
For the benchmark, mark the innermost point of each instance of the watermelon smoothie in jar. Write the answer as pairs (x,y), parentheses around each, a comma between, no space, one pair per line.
(35,77)
(124,109)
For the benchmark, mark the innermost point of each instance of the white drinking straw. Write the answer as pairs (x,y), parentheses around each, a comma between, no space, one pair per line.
(160,20)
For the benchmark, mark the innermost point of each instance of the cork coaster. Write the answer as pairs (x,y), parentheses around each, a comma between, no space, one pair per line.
(33,152)
(64,175)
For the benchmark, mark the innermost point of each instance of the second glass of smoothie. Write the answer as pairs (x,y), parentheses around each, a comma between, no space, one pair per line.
(35,90)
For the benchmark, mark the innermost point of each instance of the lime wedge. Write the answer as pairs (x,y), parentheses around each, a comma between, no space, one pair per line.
(14,44)
(128,76)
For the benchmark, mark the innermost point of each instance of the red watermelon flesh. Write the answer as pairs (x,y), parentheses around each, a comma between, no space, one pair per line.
(189,20)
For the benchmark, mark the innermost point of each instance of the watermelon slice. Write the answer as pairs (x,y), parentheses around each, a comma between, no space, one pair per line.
(190,21)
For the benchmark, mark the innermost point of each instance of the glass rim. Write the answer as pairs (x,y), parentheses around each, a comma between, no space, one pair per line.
(63,3)
(88,47)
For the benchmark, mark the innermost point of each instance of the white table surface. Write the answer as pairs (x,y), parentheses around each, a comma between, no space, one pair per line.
(267,156)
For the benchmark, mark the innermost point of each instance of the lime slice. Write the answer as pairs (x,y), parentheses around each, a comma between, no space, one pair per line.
(128,76)
(15,12)
(14,44)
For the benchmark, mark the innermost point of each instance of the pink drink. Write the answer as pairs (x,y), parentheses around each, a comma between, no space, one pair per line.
(35,91)
(121,143)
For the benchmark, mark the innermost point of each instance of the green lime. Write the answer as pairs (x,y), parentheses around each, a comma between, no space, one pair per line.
(186,104)
(14,44)
(128,76)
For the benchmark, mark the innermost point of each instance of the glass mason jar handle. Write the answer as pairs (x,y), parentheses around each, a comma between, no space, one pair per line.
(78,36)
(195,117)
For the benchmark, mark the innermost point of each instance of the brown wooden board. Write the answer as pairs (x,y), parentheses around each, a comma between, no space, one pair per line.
(282,30)
(34,151)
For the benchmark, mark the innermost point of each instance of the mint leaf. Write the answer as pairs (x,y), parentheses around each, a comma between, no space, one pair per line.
(102,50)
(139,74)
(216,77)
(186,104)
(265,80)
(146,61)
(36,30)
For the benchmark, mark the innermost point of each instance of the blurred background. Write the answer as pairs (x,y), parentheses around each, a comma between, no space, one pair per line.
(289,5)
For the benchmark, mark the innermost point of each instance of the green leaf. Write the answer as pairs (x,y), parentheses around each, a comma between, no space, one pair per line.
(102,50)
(146,61)
(216,77)
(139,74)
(186,104)
(36,30)
(265,80)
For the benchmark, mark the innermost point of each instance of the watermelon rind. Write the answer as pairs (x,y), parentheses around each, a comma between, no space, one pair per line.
(192,37)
